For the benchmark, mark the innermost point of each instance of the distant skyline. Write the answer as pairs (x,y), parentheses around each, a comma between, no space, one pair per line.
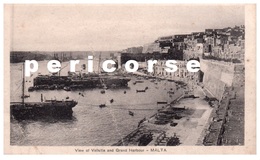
(111,27)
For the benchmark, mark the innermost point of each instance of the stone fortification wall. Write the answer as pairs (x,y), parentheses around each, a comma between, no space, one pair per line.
(217,76)
(239,76)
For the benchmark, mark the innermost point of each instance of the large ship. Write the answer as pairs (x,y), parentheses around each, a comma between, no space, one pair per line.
(114,80)
(80,81)
(46,108)
(50,82)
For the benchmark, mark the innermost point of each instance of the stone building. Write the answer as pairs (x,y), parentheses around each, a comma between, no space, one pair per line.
(182,74)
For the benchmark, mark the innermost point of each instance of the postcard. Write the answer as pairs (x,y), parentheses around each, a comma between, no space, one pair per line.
(130,79)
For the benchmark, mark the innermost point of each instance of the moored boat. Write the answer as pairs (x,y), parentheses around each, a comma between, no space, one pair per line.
(49,108)
(140,90)
(34,110)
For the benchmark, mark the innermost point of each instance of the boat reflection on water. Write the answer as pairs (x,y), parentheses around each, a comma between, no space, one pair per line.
(89,124)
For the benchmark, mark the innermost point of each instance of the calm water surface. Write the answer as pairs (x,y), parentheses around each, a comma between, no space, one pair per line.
(90,125)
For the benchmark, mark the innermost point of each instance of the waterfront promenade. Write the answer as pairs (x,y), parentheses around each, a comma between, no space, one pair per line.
(190,127)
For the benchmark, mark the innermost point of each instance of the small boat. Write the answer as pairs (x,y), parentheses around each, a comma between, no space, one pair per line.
(67,88)
(131,113)
(81,94)
(173,141)
(52,87)
(141,121)
(170,92)
(161,102)
(102,105)
(173,124)
(25,96)
(112,100)
(140,90)
(30,89)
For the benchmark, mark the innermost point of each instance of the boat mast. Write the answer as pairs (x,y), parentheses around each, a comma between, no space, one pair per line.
(23,85)
(99,59)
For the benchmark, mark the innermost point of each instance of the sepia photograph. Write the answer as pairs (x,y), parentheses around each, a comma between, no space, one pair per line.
(128,78)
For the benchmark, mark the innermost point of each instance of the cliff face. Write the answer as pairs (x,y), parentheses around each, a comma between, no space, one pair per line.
(219,75)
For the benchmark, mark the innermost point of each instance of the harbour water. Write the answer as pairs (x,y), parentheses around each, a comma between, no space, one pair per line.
(90,125)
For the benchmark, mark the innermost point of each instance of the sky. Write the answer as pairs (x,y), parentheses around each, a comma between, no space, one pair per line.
(111,27)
